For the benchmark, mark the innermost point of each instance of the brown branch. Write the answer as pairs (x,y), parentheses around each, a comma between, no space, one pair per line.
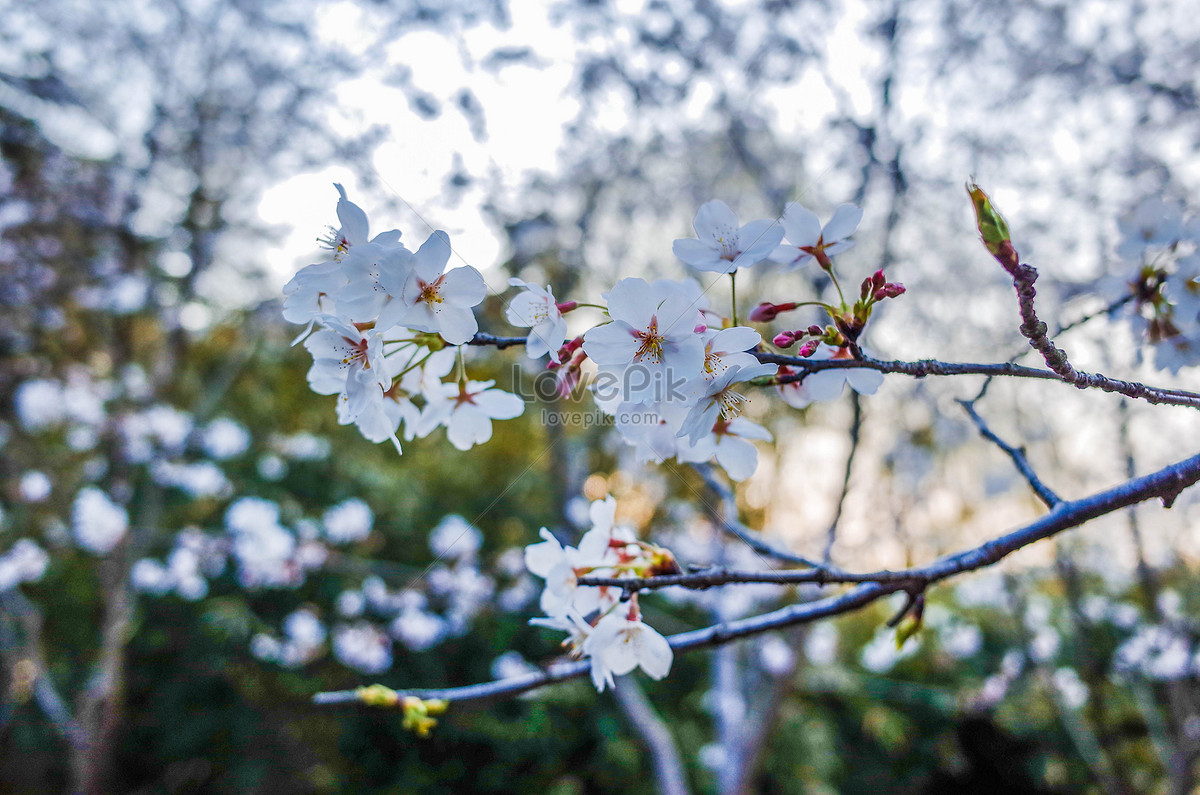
(932,367)
(928,367)
(1165,484)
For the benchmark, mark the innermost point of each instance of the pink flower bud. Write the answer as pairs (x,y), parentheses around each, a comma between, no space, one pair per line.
(700,328)
(566,306)
(784,339)
(767,311)
(809,348)
(764,312)
(815,331)
(877,280)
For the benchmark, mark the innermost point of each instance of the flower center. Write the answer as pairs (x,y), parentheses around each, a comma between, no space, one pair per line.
(357,353)
(336,242)
(731,404)
(651,346)
(729,247)
(714,365)
(430,292)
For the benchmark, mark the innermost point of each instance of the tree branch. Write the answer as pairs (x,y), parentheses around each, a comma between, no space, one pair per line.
(927,367)
(1017,454)
(727,518)
(1165,484)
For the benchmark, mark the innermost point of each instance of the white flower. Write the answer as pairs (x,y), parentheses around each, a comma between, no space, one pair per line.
(535,307)
(1154,222)
(150,576)
(340,353)
(467,411)
(355,229)
(224,439)
(418,629)
(312,292)
(262,547)
(729,444)
(723,247)
(715,400)
(1070,687)
(826,385)
(807,240)
(618,644)
(25,562)
(430,298)
(557,564)
(34,486)
(39,403)
(97,522)
(348,521)
(363,647)
(651,343)
(455,537)
(727,347)
(652,429)
(573,624)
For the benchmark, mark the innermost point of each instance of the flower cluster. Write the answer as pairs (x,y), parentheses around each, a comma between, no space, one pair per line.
(600,626)
(1164,293)
(671,370)
(386,316)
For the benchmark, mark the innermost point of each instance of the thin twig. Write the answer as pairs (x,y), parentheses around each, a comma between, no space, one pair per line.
(1165,484)
(855,436)
(1017,454)
(727,517)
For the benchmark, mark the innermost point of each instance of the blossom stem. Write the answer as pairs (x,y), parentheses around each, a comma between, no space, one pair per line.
(834,279)
(462,366)
(411,365)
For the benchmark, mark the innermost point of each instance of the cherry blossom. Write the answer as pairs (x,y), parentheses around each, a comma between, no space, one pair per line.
(559,566)
(536,308)
(355,229)
(807,240)
(726,347)
(97,522)
(621,642)
(721,246)
(427,297)
(828,384)
(717,400)
(340,353)
(729,444)
(467,410)
(652,328)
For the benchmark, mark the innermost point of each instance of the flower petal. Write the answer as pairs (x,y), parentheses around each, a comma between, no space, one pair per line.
(801,226)
(843,223)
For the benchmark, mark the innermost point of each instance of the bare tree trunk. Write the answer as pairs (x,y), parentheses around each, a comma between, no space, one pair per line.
(100,704)
(668,769)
